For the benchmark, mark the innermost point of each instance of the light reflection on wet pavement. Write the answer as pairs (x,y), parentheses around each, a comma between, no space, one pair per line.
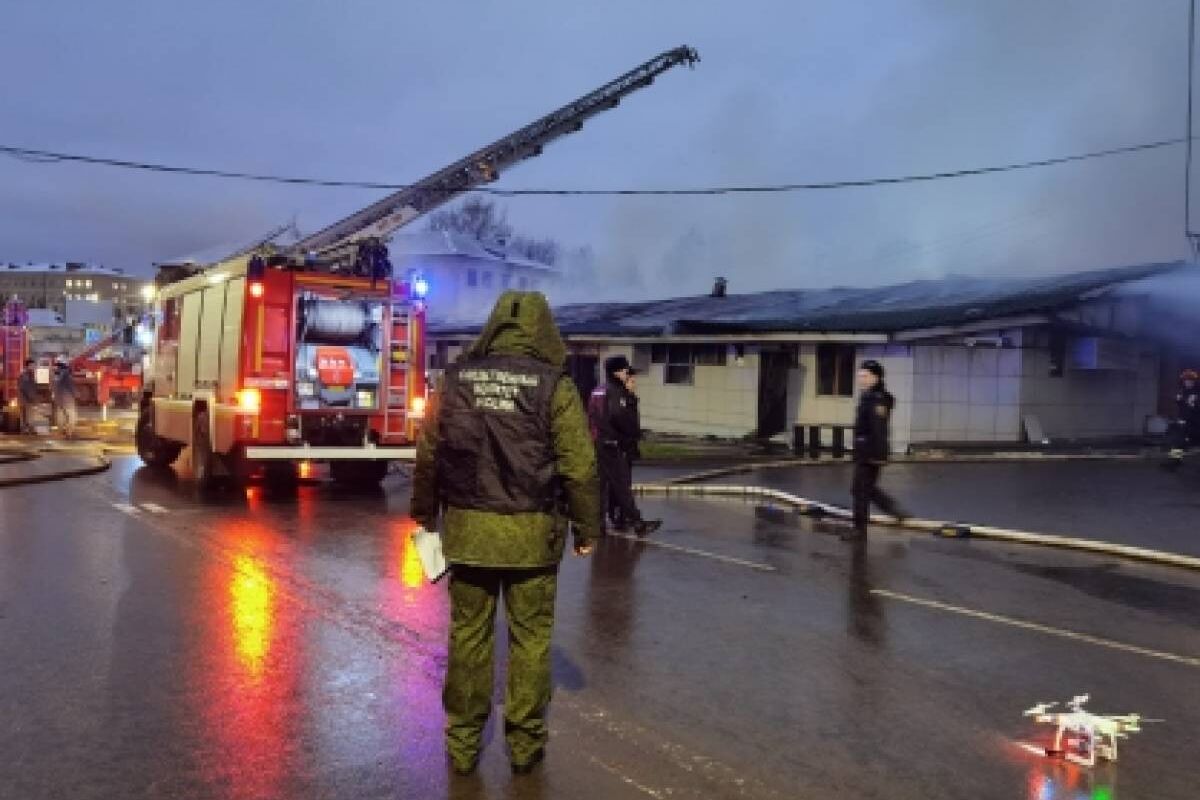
(265,645)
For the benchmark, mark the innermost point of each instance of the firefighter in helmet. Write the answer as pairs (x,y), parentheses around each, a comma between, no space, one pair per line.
(1186,429)
(506,462)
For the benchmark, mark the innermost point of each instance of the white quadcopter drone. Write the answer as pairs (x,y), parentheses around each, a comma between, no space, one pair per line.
(1083,737)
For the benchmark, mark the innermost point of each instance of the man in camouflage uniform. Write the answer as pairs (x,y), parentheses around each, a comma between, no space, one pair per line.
(506,459)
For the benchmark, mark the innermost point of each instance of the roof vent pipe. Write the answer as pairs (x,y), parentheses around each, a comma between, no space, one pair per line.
(719,287)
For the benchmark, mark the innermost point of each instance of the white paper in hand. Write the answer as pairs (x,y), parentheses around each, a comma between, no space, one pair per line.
(429,550)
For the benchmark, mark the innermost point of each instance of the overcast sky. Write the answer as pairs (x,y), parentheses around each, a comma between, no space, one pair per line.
(786,91)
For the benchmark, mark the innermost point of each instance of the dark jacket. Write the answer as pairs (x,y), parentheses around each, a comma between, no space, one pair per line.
(1188,403)
(871,423)
(62,388)
(614,418)
(27,387)
(521,325)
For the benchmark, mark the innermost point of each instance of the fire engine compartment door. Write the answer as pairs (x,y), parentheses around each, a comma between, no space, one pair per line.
(231,336)
(339,352)
(209,347)
(189,335)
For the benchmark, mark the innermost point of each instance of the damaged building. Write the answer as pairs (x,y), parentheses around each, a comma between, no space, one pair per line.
(1086,356)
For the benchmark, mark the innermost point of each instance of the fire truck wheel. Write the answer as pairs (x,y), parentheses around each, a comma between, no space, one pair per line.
(204,460)
(154,451)
(358,474)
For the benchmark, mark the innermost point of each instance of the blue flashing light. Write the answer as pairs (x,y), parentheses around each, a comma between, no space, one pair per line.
(420,287)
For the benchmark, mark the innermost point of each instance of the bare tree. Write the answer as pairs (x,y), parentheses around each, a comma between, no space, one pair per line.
(476,217)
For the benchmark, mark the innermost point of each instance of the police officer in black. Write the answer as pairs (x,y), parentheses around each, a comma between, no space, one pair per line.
(1185,430)
(871,447)
(615,420)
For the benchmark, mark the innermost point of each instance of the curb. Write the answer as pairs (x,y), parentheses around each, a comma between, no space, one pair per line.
(954,530)
(101,465)
(992,458)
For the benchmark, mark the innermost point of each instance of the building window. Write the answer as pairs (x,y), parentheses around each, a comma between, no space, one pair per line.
(658,354)
(641,357)
(835,370)
(679,365)
(472,277)
(506,280)
(523,283)
(88,283)
(487,279)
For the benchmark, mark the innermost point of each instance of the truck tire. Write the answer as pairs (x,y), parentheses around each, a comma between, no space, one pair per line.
(204,460)
(358,474)
(154,450)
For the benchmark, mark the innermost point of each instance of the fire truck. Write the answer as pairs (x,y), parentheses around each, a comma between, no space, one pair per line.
(116,376)
(14,349)
(314,352)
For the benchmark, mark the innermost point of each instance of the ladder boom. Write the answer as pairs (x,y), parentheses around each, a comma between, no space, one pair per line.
(380,219)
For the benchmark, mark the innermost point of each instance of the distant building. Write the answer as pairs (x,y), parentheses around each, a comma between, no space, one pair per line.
(1079,356)
(53,286)
(465,275)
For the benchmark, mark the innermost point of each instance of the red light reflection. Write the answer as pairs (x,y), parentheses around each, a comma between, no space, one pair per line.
(245,673)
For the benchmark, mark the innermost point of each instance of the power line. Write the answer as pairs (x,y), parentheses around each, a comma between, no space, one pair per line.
(45,156)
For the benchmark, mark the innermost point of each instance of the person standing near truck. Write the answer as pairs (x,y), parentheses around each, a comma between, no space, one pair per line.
(616,428)
(27,395)
(63,399)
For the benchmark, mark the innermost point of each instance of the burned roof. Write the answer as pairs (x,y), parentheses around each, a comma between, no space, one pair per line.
(953,300)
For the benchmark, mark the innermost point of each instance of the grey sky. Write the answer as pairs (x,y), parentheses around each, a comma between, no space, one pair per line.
(787,91)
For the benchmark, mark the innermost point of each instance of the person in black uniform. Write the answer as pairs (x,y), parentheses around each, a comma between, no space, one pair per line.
(1185,430)
(871,447)
(616,426)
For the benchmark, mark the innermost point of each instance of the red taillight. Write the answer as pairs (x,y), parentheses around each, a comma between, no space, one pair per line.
(256,289)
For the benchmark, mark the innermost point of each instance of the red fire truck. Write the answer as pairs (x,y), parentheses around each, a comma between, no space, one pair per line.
(115,376)
(315,352)
(14,349)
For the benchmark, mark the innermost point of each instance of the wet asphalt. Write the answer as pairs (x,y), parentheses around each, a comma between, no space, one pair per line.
(1135,502)
(155,644)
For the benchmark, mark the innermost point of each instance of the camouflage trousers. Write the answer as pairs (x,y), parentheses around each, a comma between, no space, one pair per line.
(529,608)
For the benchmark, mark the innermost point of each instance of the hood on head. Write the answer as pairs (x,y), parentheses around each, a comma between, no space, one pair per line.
(521,324)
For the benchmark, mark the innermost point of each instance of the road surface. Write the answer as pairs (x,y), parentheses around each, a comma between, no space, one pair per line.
(258,646)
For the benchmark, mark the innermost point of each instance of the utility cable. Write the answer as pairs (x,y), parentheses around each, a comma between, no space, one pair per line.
(45,156)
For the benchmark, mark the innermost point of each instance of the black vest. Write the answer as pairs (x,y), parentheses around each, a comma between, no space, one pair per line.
(495,446)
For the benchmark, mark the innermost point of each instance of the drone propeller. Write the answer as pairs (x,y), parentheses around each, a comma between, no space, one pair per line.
(1039,709)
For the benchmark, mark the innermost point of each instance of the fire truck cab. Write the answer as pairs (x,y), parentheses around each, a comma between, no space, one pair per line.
(260,367)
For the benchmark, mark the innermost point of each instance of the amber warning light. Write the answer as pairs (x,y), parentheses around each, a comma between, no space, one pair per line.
(249,401)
